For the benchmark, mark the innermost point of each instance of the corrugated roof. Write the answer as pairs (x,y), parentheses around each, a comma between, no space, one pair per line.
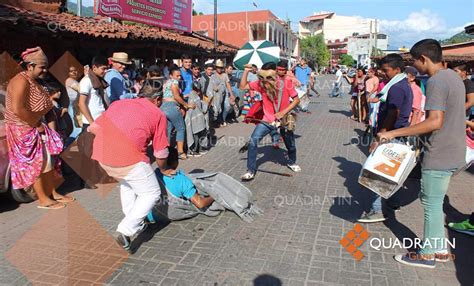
(100,27)
(317,17)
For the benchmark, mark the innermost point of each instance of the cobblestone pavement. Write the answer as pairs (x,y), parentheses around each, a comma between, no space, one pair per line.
(295,242)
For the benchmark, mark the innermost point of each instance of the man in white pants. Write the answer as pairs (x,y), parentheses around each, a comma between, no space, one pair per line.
(123,133)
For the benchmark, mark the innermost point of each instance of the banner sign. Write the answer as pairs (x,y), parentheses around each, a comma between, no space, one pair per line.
(169,14)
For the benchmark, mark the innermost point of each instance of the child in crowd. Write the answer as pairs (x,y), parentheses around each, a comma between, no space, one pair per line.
(197,124)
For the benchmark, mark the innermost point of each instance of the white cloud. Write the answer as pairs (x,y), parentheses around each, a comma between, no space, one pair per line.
(417,26)
(204,6)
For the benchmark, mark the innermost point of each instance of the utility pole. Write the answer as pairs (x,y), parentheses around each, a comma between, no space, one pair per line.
(79,8)
(370,42)
(376,37)
(215,25)
(288,40)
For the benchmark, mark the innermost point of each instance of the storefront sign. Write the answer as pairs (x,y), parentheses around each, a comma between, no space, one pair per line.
(169,14)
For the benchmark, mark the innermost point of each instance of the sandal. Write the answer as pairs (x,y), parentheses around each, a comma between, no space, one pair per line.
(53,206)
(65,199)
(182,156)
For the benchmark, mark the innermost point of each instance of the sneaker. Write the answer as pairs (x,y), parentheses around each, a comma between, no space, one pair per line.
(372,217)
(415,259)
(248,176)
(203,152)
(194,154)
(124,241)
(295,168)
(463,227)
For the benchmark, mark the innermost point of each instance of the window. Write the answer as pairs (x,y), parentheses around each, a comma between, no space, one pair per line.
(258,31)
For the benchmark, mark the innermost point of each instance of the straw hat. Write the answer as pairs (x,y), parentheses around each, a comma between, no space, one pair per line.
(121,58)
(219,64)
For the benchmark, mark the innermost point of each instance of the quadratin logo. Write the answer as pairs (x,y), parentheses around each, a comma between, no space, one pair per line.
(354,239)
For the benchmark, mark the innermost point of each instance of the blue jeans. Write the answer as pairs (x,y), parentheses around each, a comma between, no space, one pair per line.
(434,186)
(261,131)
(377,203)
(336,91)
(225,108)
(175,120)
(275,136)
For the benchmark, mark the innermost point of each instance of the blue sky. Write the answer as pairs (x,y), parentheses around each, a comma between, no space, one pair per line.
(405,21)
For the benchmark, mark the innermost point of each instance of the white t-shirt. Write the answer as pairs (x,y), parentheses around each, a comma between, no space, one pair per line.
(94,102)
(70,84)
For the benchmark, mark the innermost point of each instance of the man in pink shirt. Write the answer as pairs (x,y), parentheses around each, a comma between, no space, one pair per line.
(276,93)
(122,135)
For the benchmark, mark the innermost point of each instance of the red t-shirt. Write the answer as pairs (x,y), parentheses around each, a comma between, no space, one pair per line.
(124,131)
(268,108)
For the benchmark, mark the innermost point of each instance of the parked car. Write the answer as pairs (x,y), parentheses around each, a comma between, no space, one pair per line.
(18,195)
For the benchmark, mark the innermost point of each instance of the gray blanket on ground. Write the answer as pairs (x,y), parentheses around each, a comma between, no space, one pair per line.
(228,193)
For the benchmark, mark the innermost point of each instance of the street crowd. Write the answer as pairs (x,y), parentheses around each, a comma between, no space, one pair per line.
(175,109)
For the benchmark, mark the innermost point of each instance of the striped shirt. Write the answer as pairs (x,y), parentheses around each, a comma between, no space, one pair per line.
(36,100)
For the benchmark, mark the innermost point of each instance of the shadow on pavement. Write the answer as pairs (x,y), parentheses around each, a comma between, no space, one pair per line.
(148,234)
(343,112)
(350,172)
(464,248)
(361,198)
(267,280)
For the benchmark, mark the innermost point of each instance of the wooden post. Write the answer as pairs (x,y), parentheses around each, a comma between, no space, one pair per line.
(359,105)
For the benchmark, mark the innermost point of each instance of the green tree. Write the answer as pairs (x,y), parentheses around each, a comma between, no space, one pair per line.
(346,60)
(314,49)
(196,13)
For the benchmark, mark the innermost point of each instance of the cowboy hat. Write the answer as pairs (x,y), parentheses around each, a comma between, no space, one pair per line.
(121,58)
(219,64)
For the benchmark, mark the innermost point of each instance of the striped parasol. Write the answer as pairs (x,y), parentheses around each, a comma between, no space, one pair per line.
(257,53)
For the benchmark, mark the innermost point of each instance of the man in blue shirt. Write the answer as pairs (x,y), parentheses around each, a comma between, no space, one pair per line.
(115,79)
(186,83)
(394,114)
(303,74)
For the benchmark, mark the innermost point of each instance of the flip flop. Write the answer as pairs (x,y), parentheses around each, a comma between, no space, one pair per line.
(65,199)
(51,206)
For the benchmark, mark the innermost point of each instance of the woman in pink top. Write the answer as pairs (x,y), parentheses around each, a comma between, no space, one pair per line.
(418,113)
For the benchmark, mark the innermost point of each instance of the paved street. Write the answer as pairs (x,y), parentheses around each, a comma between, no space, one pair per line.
(295,242)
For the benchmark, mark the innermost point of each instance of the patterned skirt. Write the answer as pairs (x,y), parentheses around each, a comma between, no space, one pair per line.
(27,151)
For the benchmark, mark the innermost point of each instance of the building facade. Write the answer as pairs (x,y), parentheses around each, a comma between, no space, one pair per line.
(336,27)
(363,47)
(355,36)
(239,28)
